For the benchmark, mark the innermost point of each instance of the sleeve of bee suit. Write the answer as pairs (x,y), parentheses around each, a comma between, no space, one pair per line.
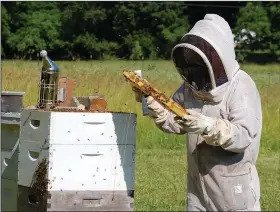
(163,118)
(244,120)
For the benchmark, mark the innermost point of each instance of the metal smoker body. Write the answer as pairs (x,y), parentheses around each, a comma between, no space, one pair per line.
(48,82)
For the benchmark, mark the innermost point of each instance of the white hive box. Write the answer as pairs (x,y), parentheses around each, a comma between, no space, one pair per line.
(11,105)
(90,160)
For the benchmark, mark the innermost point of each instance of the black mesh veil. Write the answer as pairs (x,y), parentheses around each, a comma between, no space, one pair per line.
(192,67)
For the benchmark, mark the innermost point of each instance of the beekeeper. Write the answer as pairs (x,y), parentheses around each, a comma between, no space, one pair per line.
(225,121)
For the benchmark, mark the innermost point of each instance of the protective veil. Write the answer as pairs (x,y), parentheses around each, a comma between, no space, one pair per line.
(222,176)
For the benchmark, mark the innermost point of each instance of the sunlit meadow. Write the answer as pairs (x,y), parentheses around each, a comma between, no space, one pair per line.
(160,177)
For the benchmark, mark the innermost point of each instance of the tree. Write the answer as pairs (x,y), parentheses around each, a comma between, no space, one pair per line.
(37,28)
(100,30)
(5,28)
(156,26)
(253,27)
(136,51)
(87,29)
(274,16)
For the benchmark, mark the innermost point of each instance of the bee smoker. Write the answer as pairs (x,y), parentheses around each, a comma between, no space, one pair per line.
(48,83)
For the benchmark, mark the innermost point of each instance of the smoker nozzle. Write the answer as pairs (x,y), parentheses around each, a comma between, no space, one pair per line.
(48,64)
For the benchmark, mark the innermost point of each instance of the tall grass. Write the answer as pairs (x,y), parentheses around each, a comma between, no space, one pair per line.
(106,78)
(161,161)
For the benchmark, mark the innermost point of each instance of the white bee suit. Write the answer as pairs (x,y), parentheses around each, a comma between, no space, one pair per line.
(224,130)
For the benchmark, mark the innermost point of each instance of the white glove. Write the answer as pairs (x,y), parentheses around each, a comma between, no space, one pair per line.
(220,134)
(216,132)
(156,111)
(197,123)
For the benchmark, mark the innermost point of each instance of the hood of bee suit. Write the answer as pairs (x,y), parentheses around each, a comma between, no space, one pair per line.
(211,39)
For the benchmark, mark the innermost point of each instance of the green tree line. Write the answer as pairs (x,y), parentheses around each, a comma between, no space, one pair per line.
(128,30)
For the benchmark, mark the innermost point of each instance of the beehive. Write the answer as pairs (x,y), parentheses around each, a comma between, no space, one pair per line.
(11,105)
(76,161)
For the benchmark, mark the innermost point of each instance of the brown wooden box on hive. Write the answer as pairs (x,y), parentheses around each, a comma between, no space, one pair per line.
(98,103)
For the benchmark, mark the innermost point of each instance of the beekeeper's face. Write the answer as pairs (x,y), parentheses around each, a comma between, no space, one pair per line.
(192,68)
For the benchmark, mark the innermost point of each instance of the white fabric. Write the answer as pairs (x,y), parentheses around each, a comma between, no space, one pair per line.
(220,133)
(216,31)
(161,115)
(156,111)
(220,178)
(215,132)
(221,40)
(197,123)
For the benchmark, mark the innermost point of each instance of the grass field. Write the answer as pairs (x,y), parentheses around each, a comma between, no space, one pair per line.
(161,158)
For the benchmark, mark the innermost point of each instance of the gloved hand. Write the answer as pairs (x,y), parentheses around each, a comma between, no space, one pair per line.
(196,123)
(156,111)
(220,134)
(216,132)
